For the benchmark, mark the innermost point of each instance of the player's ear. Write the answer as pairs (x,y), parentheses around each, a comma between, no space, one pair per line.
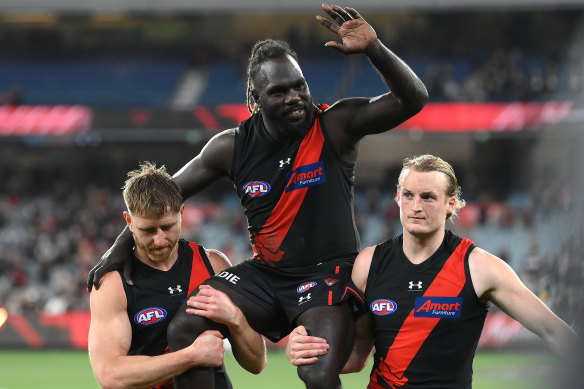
(128,219)
(256,97)
(451,205)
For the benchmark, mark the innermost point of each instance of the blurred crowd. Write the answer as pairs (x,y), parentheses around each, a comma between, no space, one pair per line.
(50,239)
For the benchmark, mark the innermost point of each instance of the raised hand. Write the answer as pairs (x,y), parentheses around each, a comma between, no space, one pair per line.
(355,33)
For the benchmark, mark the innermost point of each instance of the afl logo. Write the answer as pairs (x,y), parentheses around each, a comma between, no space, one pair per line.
(256,188)
(304,287)
(383,307)
(149,316)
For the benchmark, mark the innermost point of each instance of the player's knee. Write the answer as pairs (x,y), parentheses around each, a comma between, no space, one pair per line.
(317,377)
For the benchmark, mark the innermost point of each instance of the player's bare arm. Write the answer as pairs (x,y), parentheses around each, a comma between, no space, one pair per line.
(303,349)
(110,336)
(361,268)
(211,164)
(248,346)
(116,257)
(357,117)
(363,345)
(364,325)
(218,259)
(496,282)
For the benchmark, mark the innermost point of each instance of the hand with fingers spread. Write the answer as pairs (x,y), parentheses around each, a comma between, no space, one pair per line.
(248,346)
(355,33)
(303,349)
(119,256)
(214,305)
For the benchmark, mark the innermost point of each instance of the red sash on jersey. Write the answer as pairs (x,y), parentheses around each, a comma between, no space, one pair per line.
(266,244)
(199,272)
(412,334)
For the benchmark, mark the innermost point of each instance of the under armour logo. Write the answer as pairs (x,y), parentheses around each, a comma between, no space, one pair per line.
(304,299)
(417,285)
(286,162)
(177,289)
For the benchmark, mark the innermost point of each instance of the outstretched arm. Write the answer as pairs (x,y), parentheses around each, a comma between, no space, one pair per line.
(407,94)
(212,163)
(495,281)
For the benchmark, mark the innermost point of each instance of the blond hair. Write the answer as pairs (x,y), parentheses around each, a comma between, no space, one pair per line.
(151,191)
(431,163)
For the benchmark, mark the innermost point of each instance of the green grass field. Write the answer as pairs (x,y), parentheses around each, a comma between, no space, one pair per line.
(71,369)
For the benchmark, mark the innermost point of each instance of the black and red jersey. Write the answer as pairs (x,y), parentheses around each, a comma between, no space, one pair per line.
(157,295)
(427,317)
(298,196)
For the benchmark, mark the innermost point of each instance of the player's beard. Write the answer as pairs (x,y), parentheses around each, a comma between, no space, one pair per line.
(155,253)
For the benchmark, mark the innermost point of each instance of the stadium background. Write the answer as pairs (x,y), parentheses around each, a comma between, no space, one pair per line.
(89,89)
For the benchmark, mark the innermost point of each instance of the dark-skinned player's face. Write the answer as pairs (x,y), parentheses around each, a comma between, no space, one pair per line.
(282,92)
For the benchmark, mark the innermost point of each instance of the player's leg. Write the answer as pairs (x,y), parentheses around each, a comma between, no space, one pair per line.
(335,324)
(185,328)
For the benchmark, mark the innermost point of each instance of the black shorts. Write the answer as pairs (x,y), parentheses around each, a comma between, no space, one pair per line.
(286,294)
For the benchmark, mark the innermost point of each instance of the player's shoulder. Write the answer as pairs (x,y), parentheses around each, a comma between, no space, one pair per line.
(482,257)
(219,261)
(225,136)
(361,267)
(219,147)
(111,279)
(110,287)
(487,270)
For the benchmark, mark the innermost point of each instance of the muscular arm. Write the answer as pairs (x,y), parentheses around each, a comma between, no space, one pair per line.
(303,349)
(364,325)
(211,164)
(351,119)
(363,345)
(495,281)
(110,337)
(248,346)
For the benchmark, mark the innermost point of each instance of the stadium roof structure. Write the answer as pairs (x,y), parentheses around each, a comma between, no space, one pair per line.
(171,6)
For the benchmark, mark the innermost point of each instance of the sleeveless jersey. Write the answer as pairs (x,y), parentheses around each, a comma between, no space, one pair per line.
(427,317)
(298,197)
(156,296)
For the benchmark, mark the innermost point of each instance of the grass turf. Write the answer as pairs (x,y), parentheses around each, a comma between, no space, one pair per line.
(26,369)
